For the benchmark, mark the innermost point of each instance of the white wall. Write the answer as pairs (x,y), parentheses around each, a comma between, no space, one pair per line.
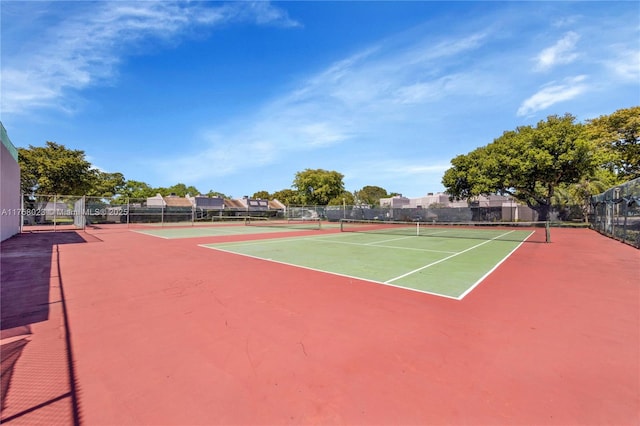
(10,214)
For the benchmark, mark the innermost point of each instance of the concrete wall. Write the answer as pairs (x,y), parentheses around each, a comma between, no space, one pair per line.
(10,214)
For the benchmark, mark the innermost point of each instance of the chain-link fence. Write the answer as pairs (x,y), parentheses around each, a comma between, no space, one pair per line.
(616,212)
(51,212)
(57,212)
(60,212)
(511,213)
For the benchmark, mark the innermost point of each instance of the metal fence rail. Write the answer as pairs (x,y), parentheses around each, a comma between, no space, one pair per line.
(616,212)
(59,212)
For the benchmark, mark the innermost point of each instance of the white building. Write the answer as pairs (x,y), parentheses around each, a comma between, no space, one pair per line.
(10,191)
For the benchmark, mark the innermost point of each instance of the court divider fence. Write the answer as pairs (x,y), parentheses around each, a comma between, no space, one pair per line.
(616,212)
(60,212)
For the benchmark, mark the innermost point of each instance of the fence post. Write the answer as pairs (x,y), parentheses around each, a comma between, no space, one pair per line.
(22,212)
(83,212)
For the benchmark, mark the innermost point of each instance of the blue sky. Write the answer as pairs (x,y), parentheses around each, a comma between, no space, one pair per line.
(237,97)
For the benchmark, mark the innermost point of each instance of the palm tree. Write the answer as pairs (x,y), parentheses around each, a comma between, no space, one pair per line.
(573,199)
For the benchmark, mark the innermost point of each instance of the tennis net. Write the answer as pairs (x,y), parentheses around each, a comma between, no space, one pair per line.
(501,231)
(298,223)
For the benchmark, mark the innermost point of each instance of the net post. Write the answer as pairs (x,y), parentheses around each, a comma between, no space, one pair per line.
(547,231)
(341,225)
(418,228)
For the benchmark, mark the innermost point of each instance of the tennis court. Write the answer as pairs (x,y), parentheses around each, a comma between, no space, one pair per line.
(124,328)
(243,227)
(444,260)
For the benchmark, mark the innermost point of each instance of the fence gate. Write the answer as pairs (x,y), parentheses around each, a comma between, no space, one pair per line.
(52,212)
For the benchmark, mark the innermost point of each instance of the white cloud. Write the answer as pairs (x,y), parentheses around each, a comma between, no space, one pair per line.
(553,93)
(85,47)
(463,83)
(561,53)
(423,168)
(347,103)
(566,21)
(625,65)
(411,176)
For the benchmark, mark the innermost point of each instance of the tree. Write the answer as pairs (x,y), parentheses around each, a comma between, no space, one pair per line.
(528,164)
(346,199)
(619,136)
(54,169)
(288,197)
(213,193)
(371,195)
(262,195)
(179,189)
(106,184)
(574,199)
(318,187)
(136,190)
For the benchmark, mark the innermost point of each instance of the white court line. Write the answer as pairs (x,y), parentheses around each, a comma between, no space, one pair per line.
(387,241)
(388,282)
(444,259)
(219,231)
(150,235)
(321,239)
(331,273)
(377,245)
(477,283)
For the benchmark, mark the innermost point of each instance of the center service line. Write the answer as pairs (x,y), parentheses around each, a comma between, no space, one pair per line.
(443,259)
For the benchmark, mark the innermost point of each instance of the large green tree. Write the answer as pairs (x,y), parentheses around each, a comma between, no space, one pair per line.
(213,193)
(318,186)
(54,169)
(346,198)
(528,163)
(135,190)
(619,136)
(179,189)
(371,195)
(262,195)
(106,184)
(288,197)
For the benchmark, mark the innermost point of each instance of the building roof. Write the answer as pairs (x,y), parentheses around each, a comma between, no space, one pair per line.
(234,204)
(276,205)
(174,201)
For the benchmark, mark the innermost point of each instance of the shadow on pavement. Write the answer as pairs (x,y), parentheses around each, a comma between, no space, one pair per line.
(36,358)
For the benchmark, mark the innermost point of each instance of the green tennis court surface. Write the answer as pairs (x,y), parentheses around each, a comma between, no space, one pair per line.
(437,264)
(225,229)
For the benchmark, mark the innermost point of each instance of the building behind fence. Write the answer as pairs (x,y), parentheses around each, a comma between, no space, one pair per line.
(616,212)
(77,212)
(60,212)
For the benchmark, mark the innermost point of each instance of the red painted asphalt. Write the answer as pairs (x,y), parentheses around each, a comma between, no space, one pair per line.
(165,332)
